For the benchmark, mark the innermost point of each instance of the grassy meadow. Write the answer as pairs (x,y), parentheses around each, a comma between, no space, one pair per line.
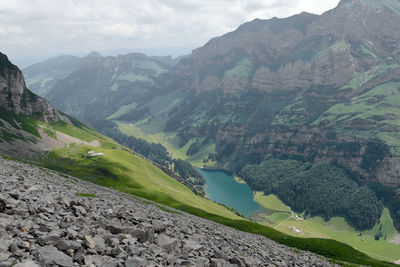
(282,219)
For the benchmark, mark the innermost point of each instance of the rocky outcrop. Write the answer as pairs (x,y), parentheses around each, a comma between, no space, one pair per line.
(15,96)
(47,220)
(303,50)
(368,160)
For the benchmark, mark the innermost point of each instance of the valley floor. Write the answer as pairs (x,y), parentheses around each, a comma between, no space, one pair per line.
(282,218)
(50,219)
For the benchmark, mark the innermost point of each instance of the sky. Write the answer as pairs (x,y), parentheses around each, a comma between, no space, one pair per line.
(33,30)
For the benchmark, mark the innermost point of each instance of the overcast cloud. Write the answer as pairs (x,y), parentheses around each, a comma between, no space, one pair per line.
(35,29)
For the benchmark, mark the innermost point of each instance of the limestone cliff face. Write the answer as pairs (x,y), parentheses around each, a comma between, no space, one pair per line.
(369,160)
(300,51)
(15,96)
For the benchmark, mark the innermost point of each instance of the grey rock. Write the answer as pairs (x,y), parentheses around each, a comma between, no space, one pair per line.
(65,245)
(136,262)
(141,235)
(249,261)
(158,226)
(116,251)
(50,255)
(49,238)
(8,262)
(79,258)
(99,244)
(3,204)
(26,263)
(79,210)
(23,244)
(166,242)
(14,194)
(112,241)
(237,261)
(218,263)
(71,233)
(89,242)
(5,244)
(115,229)
(110,263)
(193,245)
(4,255)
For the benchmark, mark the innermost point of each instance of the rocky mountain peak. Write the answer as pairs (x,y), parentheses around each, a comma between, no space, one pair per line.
(276,25)
(94,54)
(393,5)
(16,97)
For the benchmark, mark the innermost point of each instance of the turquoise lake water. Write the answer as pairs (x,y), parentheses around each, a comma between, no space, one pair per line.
(221,187)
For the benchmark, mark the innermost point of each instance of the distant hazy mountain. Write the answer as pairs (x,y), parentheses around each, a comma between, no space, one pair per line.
(94,87)
(42,76)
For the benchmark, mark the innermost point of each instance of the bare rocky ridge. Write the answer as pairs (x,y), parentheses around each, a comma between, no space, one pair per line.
(15,96)
(43,222)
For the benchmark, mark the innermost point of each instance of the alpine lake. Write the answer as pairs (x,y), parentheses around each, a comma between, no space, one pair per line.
(222,188)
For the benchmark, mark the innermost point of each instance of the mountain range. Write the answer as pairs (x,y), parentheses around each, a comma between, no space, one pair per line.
(37,197)
(315,88)
(305,108)
(310,88)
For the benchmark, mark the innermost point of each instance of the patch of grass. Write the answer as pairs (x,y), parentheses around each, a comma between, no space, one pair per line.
(357,81)
(128,173)
(114,87)
(49,131)
(239,180)
(26,123)
(83,133)
(242,69)
(122,110)
(149,65)
(378,108)
(340,44)
(270,202)
(86,195)
(169,140)
(167,210)
(133,77)
(8,137)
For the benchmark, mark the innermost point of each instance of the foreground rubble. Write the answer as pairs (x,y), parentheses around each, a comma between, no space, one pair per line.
(50,220)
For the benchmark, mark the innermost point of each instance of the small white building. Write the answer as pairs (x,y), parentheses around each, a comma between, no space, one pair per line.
(298,218)
(94,154)
(295,230)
